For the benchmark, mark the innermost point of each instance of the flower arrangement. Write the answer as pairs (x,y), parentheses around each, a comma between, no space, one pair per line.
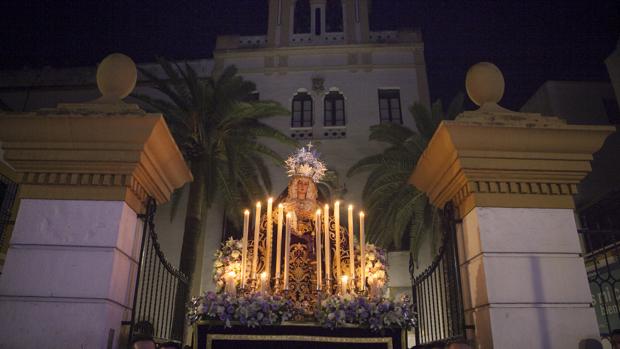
(253,310)
(375,269)
(227,260)
(374,313)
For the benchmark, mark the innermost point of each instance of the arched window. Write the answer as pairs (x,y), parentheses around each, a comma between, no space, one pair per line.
(302,110)
(333,16)
(301,20)
(334,109)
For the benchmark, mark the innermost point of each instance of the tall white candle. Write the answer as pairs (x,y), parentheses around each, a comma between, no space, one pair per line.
(264,283)
(337,223)
(362,253)
(269,236)
(344,282)
(287,248)
(279,241)
(229,283)
(256,240)
(328,262)
(244,244)
(317,233)
(351,246)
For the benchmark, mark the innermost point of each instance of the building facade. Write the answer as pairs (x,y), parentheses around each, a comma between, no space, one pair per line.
(320,60)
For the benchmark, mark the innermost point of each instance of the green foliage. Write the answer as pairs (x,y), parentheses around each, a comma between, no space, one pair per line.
(395,207)
(218,131)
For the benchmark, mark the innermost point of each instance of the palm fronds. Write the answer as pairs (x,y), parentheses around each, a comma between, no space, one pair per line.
(397,209)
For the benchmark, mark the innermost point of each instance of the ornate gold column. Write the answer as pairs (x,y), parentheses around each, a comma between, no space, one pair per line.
(84,170)
(512,176)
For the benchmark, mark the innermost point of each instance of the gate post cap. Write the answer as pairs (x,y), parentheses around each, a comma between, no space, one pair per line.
(116,77)
(484,83)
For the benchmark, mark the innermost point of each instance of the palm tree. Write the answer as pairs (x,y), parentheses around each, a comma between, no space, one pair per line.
(219,132)
(395,207)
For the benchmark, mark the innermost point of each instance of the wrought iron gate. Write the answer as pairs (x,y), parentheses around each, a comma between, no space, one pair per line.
(157,286)
(8,193)
(437,296)
(602,258)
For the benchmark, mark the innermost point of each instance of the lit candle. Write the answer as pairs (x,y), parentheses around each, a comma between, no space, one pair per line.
(244,243)
(337,226)
(229,280)
(279,241)
(317,233)
(344,282)
(351,246)
(264,284)
(328,262)
(269,235)
(256,241)
(287,247)
(362,253)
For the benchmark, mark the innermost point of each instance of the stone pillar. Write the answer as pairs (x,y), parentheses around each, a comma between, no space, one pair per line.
(85,172)
(511,177)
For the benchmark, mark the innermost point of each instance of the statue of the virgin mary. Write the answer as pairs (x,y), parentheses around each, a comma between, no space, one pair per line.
(305,170)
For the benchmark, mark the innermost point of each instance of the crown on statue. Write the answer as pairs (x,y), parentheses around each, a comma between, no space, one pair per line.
(305,162)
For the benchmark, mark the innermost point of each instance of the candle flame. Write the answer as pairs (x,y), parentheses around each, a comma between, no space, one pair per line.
(326,207)
(258,204)
(280,206)
(318,212)
(362,214)
(270,200)
(350,207)
(345,279)
(232,274)
(288,215)
(337,203)
(263,275)
(246,212)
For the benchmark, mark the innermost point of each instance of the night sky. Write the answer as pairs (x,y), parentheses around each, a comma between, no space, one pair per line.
(531,41)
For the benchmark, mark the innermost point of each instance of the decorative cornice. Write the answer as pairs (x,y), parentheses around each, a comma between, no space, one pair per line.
(316,50)
(507,159)
(83,152)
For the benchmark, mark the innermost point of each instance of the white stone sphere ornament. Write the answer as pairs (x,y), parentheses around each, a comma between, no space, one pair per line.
(485,85)
(116,78)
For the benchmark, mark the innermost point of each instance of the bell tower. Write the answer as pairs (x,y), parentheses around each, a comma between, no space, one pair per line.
(317,22)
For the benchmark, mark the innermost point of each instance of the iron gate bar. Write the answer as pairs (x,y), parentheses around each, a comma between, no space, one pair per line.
(157,284)
(601,245)
(436,292)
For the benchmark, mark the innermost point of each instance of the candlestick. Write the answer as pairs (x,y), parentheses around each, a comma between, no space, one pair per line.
(287,247)
(317,233)
(279,241)
(256,241)
(351,246)
(362,253)
(269,235)
(328,270)
(264,283)
(244,244)
(229,281)
(337,226)
(344,282)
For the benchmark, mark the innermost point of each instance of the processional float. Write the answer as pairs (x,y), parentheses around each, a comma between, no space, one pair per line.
(302,260)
